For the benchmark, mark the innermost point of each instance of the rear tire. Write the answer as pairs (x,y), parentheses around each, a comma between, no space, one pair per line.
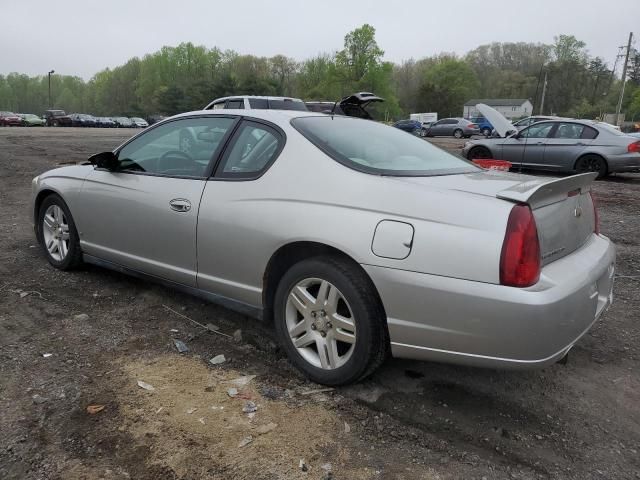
(592,163)
(326,321)
(486,132)
(458,133)
(58,235)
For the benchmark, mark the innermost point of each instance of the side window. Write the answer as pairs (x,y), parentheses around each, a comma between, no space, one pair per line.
(255,146)
(450,121)
(235,103)
(589,133)
(179,148)
(537,130)
(259,103)
(569,130)
(218,105)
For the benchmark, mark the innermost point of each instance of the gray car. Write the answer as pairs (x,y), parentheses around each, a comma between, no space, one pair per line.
(352,238)
(452,127)
(563,146)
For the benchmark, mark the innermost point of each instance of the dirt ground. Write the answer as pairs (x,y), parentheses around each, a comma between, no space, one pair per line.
(73,340)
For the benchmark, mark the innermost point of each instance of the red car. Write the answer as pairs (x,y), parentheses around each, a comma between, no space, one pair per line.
(10,119)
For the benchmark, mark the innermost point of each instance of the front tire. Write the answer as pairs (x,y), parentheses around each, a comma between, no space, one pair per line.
(329,320)
(478,153)
(58,235)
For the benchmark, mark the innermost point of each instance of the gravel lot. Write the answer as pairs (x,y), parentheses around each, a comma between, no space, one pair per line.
(71,340)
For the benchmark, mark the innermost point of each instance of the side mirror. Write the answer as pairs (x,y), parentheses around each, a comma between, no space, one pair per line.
(513,134)
(105,160)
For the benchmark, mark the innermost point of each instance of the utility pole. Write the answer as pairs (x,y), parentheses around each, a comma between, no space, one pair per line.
(49,75)
(624,79)
(544,92)
(535,98)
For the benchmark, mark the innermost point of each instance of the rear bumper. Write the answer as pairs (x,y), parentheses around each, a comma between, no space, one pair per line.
(627,162)
(480,324)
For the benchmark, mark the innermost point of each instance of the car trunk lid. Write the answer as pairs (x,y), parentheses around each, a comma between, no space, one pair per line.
(562,207)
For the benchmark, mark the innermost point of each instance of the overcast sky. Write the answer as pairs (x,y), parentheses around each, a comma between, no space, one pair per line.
(81,37)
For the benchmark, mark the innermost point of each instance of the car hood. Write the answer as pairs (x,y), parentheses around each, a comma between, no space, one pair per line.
(68,171)
(499,122)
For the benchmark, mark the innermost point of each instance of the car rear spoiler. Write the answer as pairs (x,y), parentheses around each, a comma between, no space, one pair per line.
(540,192)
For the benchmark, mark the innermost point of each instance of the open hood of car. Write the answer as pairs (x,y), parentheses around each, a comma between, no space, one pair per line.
(499,122)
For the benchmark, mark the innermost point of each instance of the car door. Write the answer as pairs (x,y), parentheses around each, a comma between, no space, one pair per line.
(143,214)
(229,241)
(448,126)
(435,128)
(527,147)
(566,144)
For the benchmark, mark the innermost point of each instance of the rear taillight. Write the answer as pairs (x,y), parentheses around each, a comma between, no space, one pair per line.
(472,125)
(634,147)
(520,257)
(596,217)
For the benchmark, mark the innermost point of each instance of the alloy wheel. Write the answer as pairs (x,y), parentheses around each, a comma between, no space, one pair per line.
(590,164)
(55,233)
(320,323)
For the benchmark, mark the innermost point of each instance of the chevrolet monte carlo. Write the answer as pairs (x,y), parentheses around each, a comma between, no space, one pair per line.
(353,238)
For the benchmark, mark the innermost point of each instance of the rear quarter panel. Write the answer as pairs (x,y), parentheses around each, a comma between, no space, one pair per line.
(307,196)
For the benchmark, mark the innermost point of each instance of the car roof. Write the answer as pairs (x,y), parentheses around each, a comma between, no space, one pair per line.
(261,97)
(279,117)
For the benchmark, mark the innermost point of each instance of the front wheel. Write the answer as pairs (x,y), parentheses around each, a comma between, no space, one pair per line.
(330,322)
(592,163)
(478,153)
(58,235)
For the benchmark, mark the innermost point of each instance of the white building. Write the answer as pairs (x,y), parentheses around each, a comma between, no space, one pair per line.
(512,108)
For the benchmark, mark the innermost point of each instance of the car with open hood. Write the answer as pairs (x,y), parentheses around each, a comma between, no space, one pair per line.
(560,145)
(350,238)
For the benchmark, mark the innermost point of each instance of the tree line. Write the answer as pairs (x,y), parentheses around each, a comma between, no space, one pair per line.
(187,77)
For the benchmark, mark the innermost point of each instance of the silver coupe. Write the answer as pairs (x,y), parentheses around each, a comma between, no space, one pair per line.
(353,238)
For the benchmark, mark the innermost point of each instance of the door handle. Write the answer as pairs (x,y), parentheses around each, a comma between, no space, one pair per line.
(180,205)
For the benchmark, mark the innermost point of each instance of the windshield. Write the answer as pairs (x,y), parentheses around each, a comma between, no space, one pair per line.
(375,148)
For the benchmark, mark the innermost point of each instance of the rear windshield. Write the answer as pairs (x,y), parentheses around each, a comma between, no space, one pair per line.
(287,105)
(375,148)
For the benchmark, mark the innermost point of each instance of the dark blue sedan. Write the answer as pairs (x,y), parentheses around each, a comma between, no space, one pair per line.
(411,126)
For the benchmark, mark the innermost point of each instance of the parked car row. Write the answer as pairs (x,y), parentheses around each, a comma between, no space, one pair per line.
(59,118)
